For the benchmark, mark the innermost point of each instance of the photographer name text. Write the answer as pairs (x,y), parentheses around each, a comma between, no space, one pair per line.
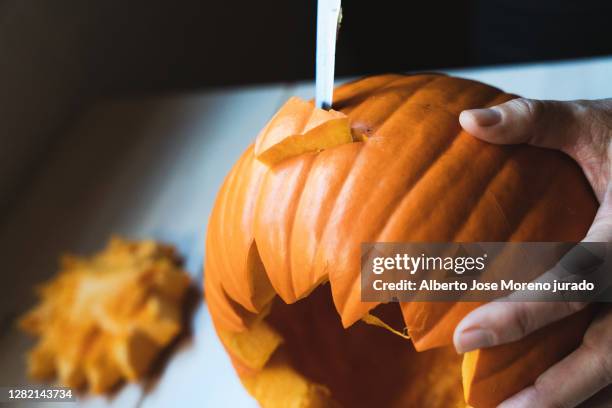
(475,285)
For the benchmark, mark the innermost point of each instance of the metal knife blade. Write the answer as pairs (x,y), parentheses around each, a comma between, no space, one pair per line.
(328,14)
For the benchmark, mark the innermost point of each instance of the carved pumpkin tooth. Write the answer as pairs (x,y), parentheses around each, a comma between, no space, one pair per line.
(270,387)
(254,347)
(413,176)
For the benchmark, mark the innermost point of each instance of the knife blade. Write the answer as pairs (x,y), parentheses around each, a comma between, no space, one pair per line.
(328,15)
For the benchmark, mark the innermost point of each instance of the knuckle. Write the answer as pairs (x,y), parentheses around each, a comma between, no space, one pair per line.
(545,396)
(523,320)
(533,108)
(601,109)
(600,331)
(604,361)
(602,357)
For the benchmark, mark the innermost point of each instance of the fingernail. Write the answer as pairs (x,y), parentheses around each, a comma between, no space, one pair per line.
(472,339)
(485,117)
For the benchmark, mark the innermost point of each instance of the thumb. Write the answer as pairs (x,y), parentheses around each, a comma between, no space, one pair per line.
(550,124)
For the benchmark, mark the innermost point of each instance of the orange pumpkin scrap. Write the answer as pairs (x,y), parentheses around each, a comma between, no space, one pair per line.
(283,247)
(300,128)
(106,318)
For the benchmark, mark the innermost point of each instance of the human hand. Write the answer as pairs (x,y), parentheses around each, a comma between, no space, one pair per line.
(583,130)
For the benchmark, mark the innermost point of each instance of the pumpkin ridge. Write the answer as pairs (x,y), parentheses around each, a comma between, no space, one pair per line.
(363,104)
(230,286)
(424,85)
(219,300)
(258,281)
(461,92)
(392,78)
(216,249)
(219,307)
(491,194)
(512,226)
(339,308)
(273,260)
(360,97)
(324,220)
(224,197)
(479,190)
(333,206)
(417,180)
(499,98)
(332,209)
(216,263)
(501,211)
(303,181)
(528,209)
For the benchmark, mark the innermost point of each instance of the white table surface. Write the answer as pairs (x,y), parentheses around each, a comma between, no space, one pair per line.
(151,167)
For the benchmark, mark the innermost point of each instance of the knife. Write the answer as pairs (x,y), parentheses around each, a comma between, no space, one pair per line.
(328,18)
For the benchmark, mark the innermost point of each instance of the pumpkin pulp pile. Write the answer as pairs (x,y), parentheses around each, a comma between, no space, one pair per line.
(283,246)
(107,317)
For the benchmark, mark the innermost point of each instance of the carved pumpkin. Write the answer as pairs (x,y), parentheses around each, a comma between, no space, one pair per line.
(283,248)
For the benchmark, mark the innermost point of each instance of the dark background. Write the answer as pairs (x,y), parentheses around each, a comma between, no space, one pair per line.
(134,46)
(59,56)
(130,46)
(152,45)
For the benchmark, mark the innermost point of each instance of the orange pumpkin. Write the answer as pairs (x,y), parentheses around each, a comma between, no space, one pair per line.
(283,249)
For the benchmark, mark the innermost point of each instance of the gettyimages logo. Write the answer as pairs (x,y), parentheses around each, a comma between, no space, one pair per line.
(528,271)
(459,263)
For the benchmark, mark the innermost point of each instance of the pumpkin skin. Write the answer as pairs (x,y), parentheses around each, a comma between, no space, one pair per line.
(284,230)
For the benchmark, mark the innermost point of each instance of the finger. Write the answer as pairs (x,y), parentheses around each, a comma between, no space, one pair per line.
(498,323)
(550,124)
(547,392)
(504,321)
(582,374)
